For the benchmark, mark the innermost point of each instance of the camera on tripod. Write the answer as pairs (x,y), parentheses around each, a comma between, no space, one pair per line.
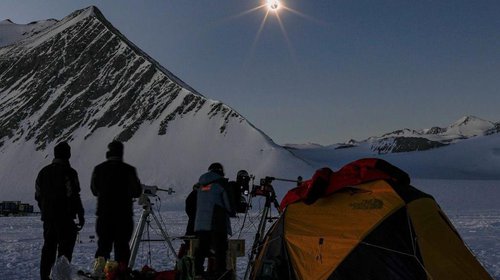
(265,188)
(152,190)
(145,219)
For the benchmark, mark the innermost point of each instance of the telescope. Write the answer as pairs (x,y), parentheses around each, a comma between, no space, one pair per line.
(152,190)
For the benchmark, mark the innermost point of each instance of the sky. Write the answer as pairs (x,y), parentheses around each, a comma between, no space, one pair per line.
(319,71)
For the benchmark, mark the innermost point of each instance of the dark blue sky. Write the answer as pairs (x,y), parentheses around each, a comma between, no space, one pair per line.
(349,69)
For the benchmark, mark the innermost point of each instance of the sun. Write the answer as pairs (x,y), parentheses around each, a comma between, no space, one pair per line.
(273,5)
(273,9)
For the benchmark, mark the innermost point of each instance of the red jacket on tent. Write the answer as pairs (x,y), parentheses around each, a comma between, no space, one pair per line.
(325,181)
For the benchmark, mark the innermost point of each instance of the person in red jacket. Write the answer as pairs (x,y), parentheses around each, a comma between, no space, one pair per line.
(57,192)
(211,223)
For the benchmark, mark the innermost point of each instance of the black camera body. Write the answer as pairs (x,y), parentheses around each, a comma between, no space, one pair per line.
(236,194)
(265,188)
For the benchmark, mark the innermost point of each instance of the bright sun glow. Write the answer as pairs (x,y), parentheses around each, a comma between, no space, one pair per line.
(273,9)
(273,5)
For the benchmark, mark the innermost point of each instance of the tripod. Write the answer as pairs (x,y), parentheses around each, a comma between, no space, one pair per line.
(147,213)
(259,235)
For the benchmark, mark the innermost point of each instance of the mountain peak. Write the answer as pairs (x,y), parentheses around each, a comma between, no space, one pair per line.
(82,14)
(6,22)
(92,9)
(470,126)
(467,120)
(87,12)
(134,90)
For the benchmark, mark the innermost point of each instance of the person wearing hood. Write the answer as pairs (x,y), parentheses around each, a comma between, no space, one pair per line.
(57,192)
(212,224)
(115,184)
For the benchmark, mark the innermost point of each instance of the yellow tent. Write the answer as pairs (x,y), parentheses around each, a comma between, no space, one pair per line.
(364,222)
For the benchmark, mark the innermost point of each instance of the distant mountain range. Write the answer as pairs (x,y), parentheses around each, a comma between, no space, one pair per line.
(409,140)
(467,149)
(80,80)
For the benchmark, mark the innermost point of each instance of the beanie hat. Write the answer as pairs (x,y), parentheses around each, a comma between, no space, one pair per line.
(62,151)
(115,149)
(216,168)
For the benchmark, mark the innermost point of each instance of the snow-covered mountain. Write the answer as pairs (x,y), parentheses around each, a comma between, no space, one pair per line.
(12,32)
(407,140)
(472,159)
(79,79)
(467,149)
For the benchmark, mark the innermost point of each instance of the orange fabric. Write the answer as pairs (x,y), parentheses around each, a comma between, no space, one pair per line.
(443,252)
(325,182)
(316,245)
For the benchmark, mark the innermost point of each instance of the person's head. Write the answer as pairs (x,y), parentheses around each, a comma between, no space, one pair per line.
(62,151)
(115,149)
(216,167)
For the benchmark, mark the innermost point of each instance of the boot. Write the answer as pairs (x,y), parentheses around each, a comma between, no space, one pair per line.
(111,270)
(98,268)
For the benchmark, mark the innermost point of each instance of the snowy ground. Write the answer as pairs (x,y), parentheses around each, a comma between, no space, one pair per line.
(471,205)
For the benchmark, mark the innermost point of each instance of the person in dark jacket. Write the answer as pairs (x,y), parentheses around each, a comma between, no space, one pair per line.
(190,208)
(115,184)
(57,192)
(212,220)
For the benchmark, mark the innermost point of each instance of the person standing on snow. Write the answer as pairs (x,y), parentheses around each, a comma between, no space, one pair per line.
(115,184)
(190,208)
(57,192)
(212,224)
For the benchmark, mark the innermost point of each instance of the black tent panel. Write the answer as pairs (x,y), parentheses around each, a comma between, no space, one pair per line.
(388,252)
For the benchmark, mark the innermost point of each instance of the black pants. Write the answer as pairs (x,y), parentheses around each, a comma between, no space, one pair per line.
(114,231)
(212,244)
(59,238)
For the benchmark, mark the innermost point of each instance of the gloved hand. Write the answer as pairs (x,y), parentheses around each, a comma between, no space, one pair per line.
(81,222)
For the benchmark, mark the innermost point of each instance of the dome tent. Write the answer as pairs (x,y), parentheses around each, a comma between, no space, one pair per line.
(364,221)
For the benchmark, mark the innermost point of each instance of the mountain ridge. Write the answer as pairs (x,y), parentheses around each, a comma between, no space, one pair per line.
(80,80)
(84,17)
(408,140)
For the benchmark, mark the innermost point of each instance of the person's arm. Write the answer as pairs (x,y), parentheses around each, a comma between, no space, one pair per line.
(93,183)
(38,191)
(135,184)
(77,201)
(190,205)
